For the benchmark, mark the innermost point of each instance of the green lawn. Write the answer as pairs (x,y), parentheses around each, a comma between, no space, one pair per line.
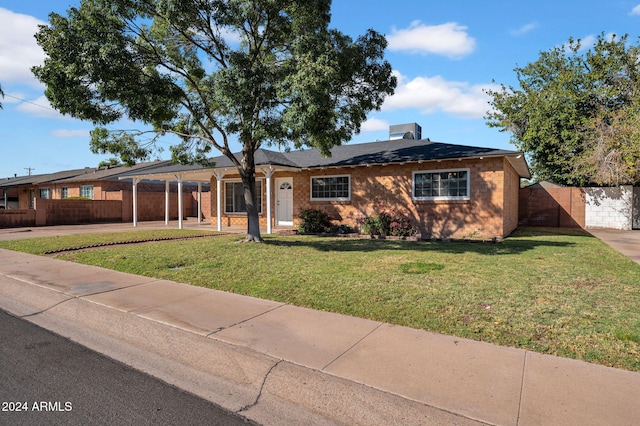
(565,294)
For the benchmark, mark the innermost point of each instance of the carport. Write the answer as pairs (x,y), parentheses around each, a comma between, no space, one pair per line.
(199,174)
(169,174)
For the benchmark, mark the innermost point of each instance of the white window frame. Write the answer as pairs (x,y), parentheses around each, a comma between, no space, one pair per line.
(441,197)
(347,198)
(42,191)
(64,192)
(83,189)
(258,193)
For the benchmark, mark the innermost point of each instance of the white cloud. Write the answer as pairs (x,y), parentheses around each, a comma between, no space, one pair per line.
(635,10)
(450,39)
(18,48)
(374,125)
(525,29)
(66,133)
(435,94)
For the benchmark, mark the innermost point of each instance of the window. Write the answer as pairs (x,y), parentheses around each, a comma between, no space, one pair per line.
(234,197)
(45,193)
(64,192)
(331,188)
(86,191)
(441,185)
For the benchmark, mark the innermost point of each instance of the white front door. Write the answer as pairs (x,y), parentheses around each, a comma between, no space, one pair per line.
(284,201)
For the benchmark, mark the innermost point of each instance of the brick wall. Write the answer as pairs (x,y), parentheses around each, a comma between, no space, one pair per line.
(17,218)
(151,205)
(511,197)
(205,204)
(555,207)
(71,212)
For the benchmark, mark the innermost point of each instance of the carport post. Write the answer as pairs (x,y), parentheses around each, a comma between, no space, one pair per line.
(268,173)
(135,201)
(219,176)
(179,177)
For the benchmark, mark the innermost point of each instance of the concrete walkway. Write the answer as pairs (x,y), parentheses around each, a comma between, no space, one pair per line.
(626,242)
(280,364)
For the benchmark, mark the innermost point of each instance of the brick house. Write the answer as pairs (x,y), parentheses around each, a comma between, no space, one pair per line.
(106,197)
(447,190)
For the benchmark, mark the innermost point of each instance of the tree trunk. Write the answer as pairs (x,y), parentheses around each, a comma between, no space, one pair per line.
(248,175)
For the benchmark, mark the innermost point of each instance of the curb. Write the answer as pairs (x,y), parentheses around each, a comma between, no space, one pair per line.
(257,386)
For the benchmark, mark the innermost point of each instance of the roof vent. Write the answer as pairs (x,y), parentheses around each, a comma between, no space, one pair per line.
(405,131)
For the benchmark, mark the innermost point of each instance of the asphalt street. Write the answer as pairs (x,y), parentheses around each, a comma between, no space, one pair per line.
(46,379)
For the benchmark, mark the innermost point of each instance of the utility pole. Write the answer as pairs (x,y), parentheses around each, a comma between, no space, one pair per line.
(29,169)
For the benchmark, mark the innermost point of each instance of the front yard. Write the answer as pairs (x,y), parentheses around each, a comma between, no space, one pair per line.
(565,294)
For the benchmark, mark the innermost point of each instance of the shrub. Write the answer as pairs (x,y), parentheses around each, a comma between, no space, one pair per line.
(387,223)
(314,221)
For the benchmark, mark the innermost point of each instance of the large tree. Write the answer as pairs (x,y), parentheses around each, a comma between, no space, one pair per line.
(571,111)
(262,71)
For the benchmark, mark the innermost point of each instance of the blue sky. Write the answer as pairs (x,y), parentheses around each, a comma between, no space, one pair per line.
(444,54)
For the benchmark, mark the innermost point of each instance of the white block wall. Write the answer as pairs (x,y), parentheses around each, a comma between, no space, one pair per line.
(609,207)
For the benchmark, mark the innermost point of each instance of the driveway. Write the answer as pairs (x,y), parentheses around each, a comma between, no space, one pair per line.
(626,242)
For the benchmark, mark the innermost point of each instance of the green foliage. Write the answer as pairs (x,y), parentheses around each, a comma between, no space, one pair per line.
(111,162)
(78,198)
(388,223)
(264,71)
(313,221)
(553,114)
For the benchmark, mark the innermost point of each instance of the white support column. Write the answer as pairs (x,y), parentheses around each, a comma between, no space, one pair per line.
(167,191)
(268,173)
(179,177)
(135,201)
(199,203)
(219,175)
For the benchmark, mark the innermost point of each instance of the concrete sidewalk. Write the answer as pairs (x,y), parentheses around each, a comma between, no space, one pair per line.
(280,364)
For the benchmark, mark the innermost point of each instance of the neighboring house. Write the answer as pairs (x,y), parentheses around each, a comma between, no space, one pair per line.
(100,183)
(110,197)
(446,190)
(9,194)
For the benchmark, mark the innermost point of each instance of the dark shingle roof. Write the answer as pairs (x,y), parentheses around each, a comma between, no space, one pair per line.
(396,151)
(112,173)
(45,178)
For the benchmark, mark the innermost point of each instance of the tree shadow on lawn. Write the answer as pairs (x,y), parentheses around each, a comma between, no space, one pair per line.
(506,247)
